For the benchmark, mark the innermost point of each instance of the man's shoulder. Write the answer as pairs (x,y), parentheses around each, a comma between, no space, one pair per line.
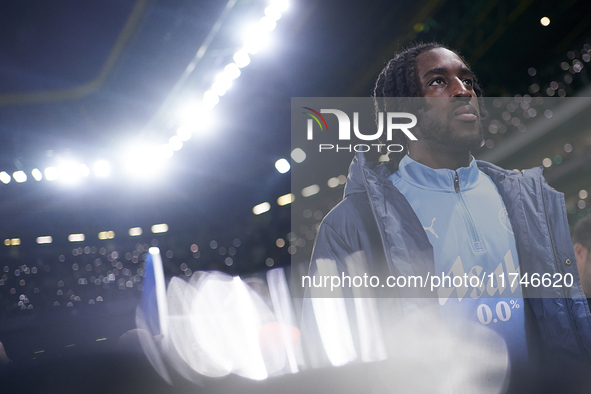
(496,172)
(351,209)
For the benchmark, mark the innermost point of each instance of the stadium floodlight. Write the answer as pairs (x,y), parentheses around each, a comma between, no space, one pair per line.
(102,168)
(106,235)
(333,182)
(267,23)
(256,37)
(184,133)
(220,86)
(19,176)
(273,12)
(37,175)
(83,170)
(261,208)
(51,173)
(210,99)
(47,239)
(232,71)
(298,155)
(135,231)
(282,166)
(165,152)
(286,199)
(241,58)
(147,161)
(188,112)
(195,117)
(310,190)
(69,171)
(175,143)
(281,5)
(76,237)
(5,177)
(160,228)
(224,80)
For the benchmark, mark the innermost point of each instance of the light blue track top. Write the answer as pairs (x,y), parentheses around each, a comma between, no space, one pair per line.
(466,222)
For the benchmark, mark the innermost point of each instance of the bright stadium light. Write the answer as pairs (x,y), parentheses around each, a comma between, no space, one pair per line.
(106,235)
(184,133)
(160,228)
(333,182)
(241,58)
(83,170)
(193,118)
(282,166)
(44,240)
(545,21)
(76,237)
(261,208)
(102,168)
(37,175)
(51,173)
(273,12)
(256,37)
(20,176)
(286,199)
(146,161)
(281,5)
(310,190)
(298,155)
(5,177)
(164,152)
(135,231)
(188,112)
(222,83)
(232,71)
(210,99)
(175,143)
(267,23)
(69,171)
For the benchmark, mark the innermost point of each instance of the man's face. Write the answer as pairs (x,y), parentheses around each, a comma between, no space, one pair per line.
(450,119)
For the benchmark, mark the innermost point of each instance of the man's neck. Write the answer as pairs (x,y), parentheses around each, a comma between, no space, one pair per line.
(440,159)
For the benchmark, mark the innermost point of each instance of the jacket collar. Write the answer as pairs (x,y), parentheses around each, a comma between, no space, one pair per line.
(442,179)
(362,171)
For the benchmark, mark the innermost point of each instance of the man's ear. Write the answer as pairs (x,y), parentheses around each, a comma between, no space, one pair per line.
(581,253)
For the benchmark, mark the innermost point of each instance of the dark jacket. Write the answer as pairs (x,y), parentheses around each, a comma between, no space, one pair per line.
(375,218)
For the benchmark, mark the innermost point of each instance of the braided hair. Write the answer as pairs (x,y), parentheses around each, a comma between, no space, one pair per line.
(398,79)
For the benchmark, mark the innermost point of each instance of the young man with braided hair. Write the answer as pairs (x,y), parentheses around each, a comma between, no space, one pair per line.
(434,209)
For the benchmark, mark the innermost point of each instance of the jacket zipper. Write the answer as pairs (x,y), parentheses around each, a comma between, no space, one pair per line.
(475,237)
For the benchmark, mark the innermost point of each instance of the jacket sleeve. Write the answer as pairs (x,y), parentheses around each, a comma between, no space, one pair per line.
(323,307)
(329,246)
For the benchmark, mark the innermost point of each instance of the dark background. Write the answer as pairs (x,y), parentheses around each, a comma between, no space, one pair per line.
(78,80)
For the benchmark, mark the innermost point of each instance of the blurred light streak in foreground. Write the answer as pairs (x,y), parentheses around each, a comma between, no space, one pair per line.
(218,324)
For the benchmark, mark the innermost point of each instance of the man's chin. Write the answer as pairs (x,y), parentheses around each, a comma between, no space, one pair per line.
(460,146)
(458,143)
(469,142)
(451,136)
(466,136)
